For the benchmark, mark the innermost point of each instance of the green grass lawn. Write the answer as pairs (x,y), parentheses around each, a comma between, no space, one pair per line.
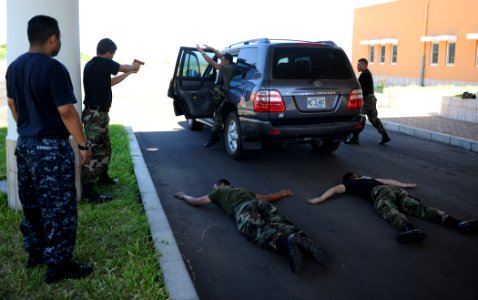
(113,236)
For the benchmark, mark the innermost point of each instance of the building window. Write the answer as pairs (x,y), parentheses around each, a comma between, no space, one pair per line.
(434,54)
(382,54)
(394,54)
(371,55)
(450,54)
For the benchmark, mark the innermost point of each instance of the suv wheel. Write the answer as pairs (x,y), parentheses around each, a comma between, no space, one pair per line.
(194,125)
(233,137)
(325,146)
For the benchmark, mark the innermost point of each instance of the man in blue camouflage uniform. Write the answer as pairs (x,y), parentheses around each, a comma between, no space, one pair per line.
(41,99)
(260,222)
(391,201)
(218,92)
(97,83)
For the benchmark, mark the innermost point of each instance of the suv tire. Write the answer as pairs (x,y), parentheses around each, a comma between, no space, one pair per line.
(325,146)
(194,125)
(233,137)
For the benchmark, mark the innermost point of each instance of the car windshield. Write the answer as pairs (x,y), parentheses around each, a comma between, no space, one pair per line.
(310,63)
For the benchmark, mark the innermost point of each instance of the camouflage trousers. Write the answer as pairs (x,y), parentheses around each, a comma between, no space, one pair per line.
(260,222)
(391,202)
(370,109)
(96,129)
(218,97)
(47,192)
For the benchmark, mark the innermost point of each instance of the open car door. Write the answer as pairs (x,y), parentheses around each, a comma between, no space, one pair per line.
(191,84)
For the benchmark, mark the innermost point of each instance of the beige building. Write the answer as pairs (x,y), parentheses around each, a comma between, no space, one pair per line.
(421,42)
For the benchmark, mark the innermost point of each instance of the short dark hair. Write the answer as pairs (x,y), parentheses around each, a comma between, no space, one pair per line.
(228,56)
(364,61)
(223,181)
(41,28)
(106,45)
(348,176)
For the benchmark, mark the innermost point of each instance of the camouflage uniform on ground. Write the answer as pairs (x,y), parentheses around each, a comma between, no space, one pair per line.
(48,198)
(258,221)
(261,223)
(96,124)
(389,201)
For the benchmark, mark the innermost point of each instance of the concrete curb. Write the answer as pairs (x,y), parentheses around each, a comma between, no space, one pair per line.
(470,145)
(176,277)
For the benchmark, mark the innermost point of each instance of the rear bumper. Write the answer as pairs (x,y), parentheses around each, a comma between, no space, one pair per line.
(253,129)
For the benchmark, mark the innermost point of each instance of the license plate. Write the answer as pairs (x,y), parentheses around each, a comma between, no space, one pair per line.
(315,102)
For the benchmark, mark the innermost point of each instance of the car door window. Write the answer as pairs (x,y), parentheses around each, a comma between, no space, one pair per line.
(195,66)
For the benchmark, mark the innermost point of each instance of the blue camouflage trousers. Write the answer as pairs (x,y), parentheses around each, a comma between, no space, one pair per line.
(391,202)
(261,223)
(47,192)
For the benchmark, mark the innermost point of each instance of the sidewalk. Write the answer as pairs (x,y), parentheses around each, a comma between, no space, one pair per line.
(427,126)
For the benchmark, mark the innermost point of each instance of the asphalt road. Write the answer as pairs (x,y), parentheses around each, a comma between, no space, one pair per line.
(367,262)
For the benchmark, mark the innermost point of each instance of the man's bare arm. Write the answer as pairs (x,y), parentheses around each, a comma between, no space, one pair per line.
(71,119)
(13,109)
(194,201)
(338,189)
(274,196)
(397,183)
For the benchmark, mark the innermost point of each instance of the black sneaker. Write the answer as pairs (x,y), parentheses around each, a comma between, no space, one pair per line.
(295,254)
(317,252)
(93,197)
(352,141)
(67,270)
(411,236)
(212,140)
(468,226)
(34,259)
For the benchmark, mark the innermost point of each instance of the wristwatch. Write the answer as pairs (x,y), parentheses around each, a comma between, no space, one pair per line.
(87,146)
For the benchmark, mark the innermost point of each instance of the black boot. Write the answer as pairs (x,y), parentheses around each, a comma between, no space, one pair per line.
(105,179)
(90,196)
(409,234)
(35,258)
(67,270)
(295,254)
(354,140)
(213,139)
(315,250)
(385,139)
(468,226)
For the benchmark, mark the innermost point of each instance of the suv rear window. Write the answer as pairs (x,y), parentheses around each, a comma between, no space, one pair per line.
(310,63)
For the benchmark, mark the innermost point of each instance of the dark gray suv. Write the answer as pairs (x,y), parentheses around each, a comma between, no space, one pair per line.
(283,90)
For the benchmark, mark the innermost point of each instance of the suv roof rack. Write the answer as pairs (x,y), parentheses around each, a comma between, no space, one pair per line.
(269,41)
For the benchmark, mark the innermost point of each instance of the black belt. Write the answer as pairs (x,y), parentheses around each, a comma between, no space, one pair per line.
(54,136)
(98,108)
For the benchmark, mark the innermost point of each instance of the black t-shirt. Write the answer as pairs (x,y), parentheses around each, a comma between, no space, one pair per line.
(366,82)
(361,187)
(39,84)
(97,81)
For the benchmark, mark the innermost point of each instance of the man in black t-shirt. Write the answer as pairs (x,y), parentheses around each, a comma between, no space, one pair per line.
(97,82)
(369,103)
(391,201)
(41,99)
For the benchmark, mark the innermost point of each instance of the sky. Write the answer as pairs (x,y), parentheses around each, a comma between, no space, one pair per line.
(152,30)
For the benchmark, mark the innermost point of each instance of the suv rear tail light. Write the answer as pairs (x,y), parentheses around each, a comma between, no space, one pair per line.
(268,101)
(355,99)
